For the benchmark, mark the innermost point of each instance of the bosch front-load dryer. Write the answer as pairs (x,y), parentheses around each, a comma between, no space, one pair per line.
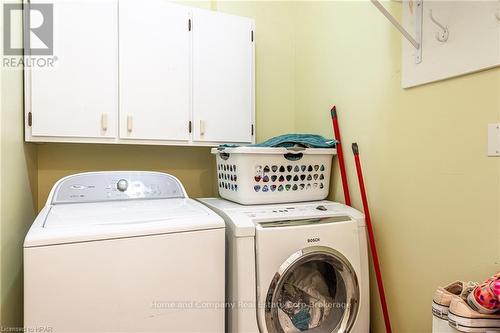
(124,252)
(295,267)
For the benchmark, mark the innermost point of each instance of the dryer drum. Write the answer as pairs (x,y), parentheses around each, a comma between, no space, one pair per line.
(316,289)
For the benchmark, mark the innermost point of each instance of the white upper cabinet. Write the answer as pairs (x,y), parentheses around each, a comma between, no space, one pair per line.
(222,77)
(155,53)
(78,96)
(143,72)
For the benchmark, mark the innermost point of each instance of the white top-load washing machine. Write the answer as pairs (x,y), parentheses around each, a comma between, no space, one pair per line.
(124,252)
(295,267)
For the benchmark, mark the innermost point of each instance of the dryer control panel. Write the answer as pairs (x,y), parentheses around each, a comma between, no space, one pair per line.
(119,185)
(294,211)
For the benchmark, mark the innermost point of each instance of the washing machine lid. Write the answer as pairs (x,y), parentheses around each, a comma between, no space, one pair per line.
(121,219)
(174,213)
(121,204)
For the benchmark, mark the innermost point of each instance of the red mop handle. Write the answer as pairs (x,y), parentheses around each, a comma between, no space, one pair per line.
(371,235)
(340,154)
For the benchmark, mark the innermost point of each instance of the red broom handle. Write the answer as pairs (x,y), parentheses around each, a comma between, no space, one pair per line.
(371,235)
(340,154)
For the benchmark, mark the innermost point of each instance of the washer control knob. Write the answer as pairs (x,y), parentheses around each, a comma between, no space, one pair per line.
(122,185)
(322,208)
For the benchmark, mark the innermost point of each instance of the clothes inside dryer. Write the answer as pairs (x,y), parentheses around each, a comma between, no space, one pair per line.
(317,293)
(309,296)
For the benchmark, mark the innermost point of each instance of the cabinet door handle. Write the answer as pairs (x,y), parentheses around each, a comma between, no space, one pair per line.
(202,127)
(129,123)
(104,122)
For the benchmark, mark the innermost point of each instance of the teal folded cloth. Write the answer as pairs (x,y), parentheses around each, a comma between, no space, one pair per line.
(291,140)
(301,320)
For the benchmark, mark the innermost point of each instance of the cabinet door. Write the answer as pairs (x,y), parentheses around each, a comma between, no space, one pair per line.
(154,70)
(222,77)
(78,96)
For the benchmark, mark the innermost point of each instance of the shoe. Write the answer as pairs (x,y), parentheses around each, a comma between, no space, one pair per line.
(464,319)
(485,297)
(443,296)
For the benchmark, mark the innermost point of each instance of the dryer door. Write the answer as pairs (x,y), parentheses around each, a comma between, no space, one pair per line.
(316,289)
(308,273)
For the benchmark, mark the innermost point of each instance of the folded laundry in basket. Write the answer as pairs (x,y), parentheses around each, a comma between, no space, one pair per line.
(291,140)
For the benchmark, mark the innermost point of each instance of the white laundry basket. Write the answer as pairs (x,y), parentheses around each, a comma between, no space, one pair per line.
(259,175)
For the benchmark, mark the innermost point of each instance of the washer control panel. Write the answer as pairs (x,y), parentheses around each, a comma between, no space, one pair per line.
(107,186)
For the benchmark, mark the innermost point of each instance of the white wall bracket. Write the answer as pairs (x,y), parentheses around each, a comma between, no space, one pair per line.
(417,41)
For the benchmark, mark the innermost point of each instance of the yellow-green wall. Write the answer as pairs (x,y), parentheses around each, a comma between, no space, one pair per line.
(18,181)
(433,191)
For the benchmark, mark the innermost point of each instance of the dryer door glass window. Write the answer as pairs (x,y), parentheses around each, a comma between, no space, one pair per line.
(316,289)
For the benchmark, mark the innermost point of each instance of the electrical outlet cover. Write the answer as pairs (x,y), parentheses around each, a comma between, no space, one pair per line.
(494,139)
